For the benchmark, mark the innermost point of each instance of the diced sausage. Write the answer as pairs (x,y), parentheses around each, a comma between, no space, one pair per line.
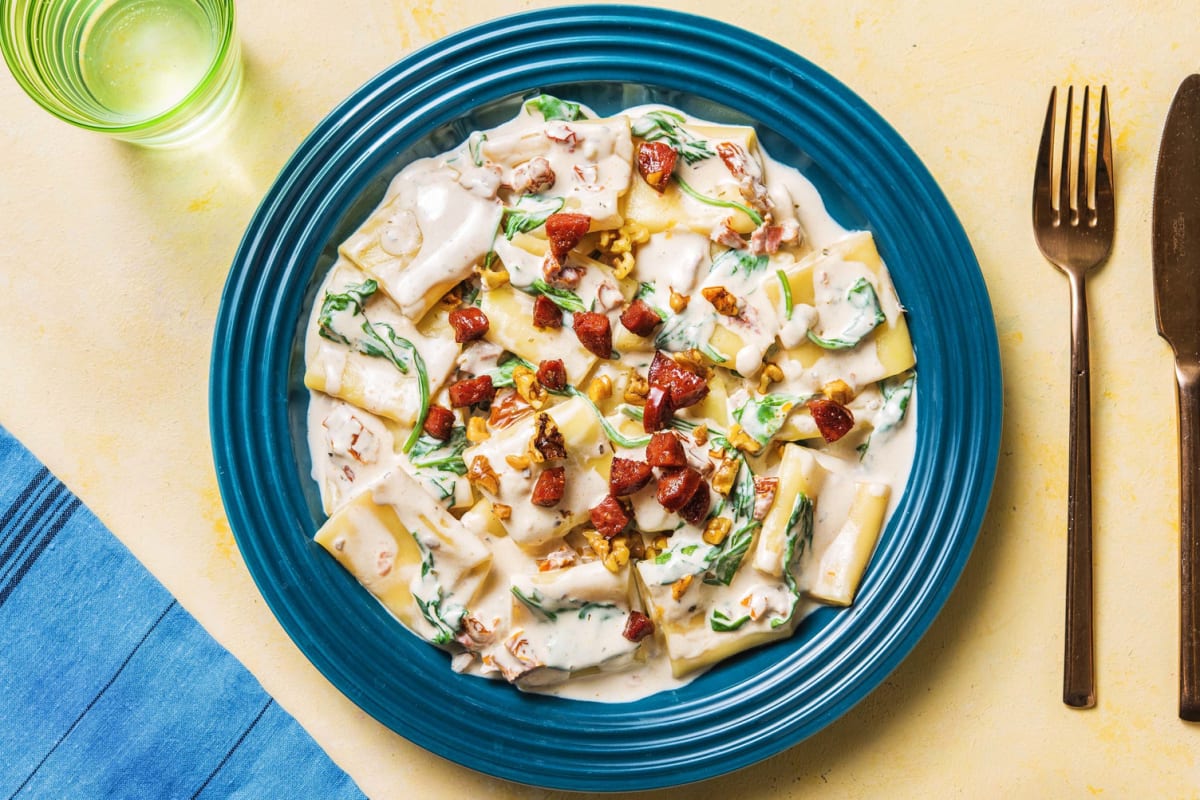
(469,324)
(637,627)
(665,450)
(656,414)
(552,374)
(609,517)
(564,230)
(594,332)
(697,508)
(833,419)
(676,487)
(640,319)
(686,387)
(655,163)
(439,422)
(551,484)
(545,313)
(627,476)
(471,391)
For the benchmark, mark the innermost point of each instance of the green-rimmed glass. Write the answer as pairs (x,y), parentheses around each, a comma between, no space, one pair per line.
(153,72)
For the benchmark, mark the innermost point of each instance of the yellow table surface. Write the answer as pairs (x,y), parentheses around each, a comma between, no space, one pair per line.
(114,259)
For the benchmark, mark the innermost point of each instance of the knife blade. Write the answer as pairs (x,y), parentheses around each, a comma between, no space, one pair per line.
(1176,258)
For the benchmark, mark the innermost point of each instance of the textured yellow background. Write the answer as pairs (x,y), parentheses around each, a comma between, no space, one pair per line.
(113,261)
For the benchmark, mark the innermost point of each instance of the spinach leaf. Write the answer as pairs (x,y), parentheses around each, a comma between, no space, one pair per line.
(762,417)
(475,147)
(530,212)
(379,340)
(354,299)
(551,108)
(721,622)
(718,202)
(663,125)
(862,297)
(799,537)
(535,602)
(727,560)
(787,293)
(563,298)
(434,454)
(736,261)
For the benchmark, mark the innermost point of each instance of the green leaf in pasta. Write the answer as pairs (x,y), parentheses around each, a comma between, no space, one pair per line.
(667,126)
(861,296)
(552,108)
(718,202)
(563,298)
(530,213)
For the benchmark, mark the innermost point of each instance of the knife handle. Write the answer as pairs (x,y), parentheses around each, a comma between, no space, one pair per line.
(1187,373)
(1079,678)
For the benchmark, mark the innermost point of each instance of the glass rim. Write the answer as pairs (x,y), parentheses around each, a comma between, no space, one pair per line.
(220,62)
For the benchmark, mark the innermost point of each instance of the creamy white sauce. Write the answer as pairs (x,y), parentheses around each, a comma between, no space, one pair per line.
(522,587)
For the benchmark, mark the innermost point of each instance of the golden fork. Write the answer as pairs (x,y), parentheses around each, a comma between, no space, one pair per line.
(1074,231)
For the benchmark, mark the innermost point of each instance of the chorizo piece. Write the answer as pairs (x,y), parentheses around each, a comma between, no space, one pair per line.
(609,517)
(471,391)
(627,476)
(439,422)
(640,319)
(548,490)
(676,487)
(594,332)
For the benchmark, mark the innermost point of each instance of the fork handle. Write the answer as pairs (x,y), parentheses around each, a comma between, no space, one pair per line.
(1079,679)
(1187,373)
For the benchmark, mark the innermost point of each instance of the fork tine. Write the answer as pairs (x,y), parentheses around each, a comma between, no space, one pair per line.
(1104,161)
(1081,172)
(1043,173)
(1064,166)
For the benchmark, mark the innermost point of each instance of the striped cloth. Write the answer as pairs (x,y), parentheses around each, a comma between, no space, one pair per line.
(108,688)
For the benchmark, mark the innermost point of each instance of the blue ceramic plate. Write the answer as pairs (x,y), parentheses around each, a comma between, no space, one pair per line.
(758,703)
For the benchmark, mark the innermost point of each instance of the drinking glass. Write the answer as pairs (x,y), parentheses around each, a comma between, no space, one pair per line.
(153,72)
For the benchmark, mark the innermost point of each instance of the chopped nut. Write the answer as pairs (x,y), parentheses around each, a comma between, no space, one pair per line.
(696,361)
(526,382)
(481,474)
(679,587)
(477,430)
(726,474)
(600,546)
(743,441)
(771,374)
(492,278)
(700,435)
(716,530)
(838,391)
(501,510)
(452,298)
(517,462)
(618,555)
(599,388)
(679,302)
(618,246)
(547,443)
(722,300)
(636,389)
(637,545)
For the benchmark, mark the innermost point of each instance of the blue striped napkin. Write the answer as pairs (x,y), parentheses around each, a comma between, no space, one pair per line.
(108,688)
